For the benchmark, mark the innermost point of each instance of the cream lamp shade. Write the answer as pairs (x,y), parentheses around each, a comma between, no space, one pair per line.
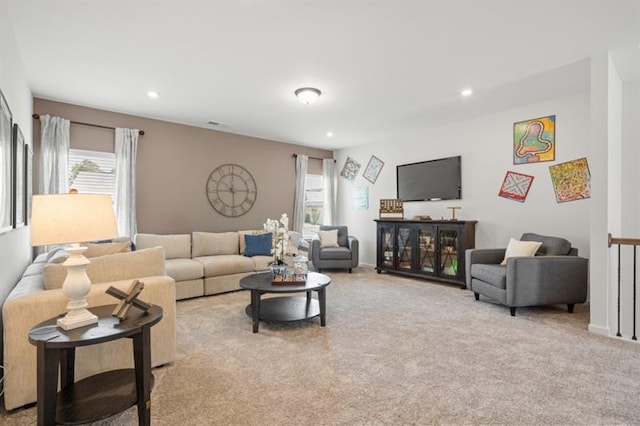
(73,218)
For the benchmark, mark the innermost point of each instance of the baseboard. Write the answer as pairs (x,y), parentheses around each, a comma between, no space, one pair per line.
(604,331)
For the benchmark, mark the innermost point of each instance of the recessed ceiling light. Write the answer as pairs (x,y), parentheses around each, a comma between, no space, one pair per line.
(466,92)
(153,95)
(329,134)
(308,95)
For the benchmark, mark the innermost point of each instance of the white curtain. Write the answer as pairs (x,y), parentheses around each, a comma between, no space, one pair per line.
(126,150)
(302,162)
(54,155)
(330,183)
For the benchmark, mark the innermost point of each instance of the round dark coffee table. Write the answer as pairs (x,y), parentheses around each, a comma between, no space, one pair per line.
(287,308)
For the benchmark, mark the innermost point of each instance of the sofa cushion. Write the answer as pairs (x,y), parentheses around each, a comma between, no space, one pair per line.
(215,243)
(257,245)
(335,253)
(261,263)
(520,249)
(34,269)
(495,275)
(113,267)
(551,246)
(104,249)
(184,269)
(176,246)
(329,238)
(241,234)
(225,264)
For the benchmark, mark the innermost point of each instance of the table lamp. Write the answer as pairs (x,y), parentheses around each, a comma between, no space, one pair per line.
(73,218)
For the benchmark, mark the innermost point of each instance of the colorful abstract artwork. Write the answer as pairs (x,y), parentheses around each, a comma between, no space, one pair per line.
(516,186)
(373,169)
(571,180)
(350,169)
(534,140)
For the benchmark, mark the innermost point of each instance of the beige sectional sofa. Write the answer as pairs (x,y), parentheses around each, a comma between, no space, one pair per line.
(30,303)
(206,263)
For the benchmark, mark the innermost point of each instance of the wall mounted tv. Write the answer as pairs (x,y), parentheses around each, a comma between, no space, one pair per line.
(432,180)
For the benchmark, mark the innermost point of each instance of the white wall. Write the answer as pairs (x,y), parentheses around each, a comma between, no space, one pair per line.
(15,252)
(485,145)
(631,159)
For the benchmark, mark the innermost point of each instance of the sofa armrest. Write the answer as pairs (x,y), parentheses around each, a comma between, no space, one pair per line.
(354,247)
(546,280)
(489,256)
(315,250)
(20,314)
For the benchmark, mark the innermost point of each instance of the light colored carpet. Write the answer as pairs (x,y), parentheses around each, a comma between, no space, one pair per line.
(395,351)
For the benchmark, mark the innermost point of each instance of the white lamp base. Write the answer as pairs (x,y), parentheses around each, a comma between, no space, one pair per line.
(76,286)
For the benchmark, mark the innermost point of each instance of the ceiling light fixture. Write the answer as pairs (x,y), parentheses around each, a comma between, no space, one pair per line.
(466,92)
(329,134)
(153,95)
(308,95)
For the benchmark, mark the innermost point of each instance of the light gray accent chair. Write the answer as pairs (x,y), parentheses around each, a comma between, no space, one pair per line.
(555,275)
(343,257)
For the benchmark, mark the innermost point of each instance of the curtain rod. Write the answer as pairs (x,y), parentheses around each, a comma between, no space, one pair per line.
(141,132)
(316,158)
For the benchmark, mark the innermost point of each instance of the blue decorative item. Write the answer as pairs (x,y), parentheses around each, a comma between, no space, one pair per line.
(258,245)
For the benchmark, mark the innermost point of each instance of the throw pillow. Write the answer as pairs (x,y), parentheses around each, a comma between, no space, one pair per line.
(329,238)
(257,245)
(517,248)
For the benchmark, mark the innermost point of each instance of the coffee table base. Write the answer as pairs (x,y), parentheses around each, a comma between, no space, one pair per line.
(286,309)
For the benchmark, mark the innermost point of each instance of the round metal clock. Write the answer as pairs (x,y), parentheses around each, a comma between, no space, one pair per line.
(231,190)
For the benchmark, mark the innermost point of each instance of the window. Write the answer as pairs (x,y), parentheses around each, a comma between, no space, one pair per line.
(92,172)
(313,205)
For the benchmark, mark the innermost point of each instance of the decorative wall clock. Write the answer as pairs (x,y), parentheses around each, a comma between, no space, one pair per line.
(231,190)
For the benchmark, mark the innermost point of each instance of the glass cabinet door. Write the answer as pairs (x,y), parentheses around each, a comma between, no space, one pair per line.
(386,246)
(426,251)
(405,248)
(448,246)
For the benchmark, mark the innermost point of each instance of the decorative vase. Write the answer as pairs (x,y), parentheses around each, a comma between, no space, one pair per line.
(278,269)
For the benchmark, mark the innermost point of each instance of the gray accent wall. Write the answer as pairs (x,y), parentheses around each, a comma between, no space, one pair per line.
(174,162)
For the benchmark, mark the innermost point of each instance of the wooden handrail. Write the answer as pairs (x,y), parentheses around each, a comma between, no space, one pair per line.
(623,241)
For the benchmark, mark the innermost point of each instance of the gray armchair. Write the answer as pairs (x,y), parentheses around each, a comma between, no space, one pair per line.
(344,256)
(556,275)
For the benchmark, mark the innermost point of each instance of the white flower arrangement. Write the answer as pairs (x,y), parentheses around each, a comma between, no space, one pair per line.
(278,229)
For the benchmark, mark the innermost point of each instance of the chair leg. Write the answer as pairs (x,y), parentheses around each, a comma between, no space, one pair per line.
(570,307)
(513,311)
(349,270)
(477,295)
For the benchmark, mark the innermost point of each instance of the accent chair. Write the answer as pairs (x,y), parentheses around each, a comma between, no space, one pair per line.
(339,254)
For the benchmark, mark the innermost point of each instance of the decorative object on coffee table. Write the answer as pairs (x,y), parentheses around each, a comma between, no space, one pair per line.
(279,229)
(128,299)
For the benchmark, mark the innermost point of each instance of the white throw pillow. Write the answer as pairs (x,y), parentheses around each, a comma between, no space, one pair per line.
(517,248)
(329,238)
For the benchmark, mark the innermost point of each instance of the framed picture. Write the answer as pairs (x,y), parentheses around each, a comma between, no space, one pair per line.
(516,186)
(534,140)
(28,180)
(373,169)
(350,169)
(571,180)
(18,177)
(6,160)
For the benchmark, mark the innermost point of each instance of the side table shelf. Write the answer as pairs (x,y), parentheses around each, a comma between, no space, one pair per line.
(104,394)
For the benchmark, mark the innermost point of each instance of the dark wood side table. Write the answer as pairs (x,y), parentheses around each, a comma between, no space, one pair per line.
(102,395)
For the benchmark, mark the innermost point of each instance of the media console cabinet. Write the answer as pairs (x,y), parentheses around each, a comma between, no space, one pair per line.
(432,249)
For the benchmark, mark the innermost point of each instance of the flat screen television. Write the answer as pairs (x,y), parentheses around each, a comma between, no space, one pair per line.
(432,180)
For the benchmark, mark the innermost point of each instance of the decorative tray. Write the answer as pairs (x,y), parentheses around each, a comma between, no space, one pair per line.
(289,279)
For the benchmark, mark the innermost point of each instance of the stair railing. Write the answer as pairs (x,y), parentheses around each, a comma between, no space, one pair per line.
(635,242)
